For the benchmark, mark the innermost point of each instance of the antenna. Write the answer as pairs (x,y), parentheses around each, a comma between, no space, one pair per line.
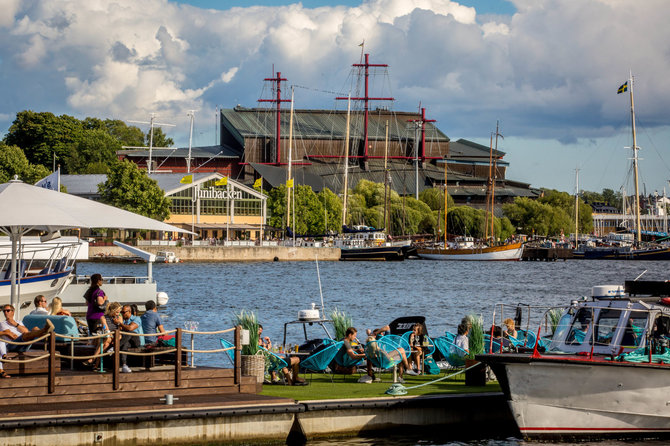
(151,135)
(316,259)
(190,113)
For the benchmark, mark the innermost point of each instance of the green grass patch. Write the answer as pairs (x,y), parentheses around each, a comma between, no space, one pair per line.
(321,388)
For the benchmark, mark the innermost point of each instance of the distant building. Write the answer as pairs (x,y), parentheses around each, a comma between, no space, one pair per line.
(229,212)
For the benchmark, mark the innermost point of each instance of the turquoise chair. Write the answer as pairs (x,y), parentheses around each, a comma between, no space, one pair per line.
(318,362)
(383,353)
(273,362)
(453,354)
(65,325)
(229,353)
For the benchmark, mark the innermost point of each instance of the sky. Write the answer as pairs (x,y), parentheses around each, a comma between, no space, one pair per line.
(547,70)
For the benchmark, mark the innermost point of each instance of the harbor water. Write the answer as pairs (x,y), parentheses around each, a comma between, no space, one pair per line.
(372,293)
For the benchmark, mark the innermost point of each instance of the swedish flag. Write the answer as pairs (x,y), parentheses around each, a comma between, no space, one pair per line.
(221,182)
(258,182)
(623,88)
(289,183)
(187,179)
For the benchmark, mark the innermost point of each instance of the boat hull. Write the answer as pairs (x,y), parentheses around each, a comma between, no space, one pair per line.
(559,398)
(619,254)
(49,285)
(504,252)
(125,290)
(373,253)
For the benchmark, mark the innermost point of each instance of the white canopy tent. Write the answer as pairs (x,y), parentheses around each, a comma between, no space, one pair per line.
(27,208)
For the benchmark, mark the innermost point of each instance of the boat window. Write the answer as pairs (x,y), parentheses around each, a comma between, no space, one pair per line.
(608,320)
(635,328)
(580,327)
(560,331)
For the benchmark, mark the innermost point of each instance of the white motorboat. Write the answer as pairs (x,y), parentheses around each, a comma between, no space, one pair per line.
(605,373)
(167,257)
(123,289)
(43,267)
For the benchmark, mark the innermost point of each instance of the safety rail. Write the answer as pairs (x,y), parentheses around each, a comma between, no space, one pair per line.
(53,355)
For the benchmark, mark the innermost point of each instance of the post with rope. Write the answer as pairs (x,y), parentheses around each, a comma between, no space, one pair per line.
(238,356)
(117,359)
(52,362)
(177,361)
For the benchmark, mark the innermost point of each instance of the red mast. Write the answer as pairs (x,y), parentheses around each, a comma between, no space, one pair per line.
(423,121)
(366,99)
(278,100)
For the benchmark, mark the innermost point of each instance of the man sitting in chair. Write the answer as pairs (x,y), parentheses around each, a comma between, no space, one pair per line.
(349,354)
(373,350)
(15,331)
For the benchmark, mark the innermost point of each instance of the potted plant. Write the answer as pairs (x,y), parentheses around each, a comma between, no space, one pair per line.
(475,376)
(341,321)
(253,361)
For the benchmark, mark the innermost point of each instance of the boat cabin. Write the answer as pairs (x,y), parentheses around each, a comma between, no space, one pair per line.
(612,323)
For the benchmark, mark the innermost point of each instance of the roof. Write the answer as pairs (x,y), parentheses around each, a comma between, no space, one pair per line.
(324,124)
(83,185)
(218,151)
(462,148)
(276,176)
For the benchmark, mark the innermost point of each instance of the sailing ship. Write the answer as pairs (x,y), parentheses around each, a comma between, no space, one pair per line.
(639,250)
(466,248)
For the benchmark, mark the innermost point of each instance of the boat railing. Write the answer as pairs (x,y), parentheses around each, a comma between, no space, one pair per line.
(41,258)
(52,353)
(82,279)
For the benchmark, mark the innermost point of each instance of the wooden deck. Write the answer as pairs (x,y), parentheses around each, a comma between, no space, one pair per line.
(86,392)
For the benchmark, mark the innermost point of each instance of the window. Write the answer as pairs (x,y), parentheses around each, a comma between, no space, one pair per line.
(580,327)
(608,320)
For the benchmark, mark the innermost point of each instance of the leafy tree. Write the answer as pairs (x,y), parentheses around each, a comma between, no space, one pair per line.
(277,206)
(434,198)
(130,188)
(41,135)
(160,140)
(14,162)
(333,206)
(93,153)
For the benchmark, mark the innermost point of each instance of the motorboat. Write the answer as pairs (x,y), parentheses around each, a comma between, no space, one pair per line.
(167,257)
(366,243)
(123,289)
(604,373)
(45,268)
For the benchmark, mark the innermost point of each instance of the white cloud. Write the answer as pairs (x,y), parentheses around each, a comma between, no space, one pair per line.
(548,72)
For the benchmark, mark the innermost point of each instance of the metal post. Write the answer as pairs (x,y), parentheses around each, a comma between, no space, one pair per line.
(177,361)
(238,356)
(117,359)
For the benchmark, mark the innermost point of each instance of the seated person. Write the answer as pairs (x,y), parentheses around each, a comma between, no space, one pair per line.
(497,337)
(291,372)
(349,352)
(40,305)
(374,352)
(151,323)
(57,308)
(510,328)
(13,330)
(462,339)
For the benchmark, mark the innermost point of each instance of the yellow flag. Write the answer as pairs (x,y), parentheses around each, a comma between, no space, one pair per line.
(187,179)
(289,183)
(258,182)
(222,182)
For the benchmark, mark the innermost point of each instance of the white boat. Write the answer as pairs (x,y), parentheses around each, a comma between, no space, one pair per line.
(43,267)
(606,372)
(467,249)
(123,289)
(167,257)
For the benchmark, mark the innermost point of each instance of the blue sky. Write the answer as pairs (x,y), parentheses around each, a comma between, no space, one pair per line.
(548,70)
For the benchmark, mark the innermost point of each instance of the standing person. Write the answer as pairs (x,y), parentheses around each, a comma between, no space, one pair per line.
(97,304)
(416,345)
(151,322)
(40,305)
(57,308)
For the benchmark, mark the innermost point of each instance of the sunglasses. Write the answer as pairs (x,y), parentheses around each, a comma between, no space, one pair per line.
(7,310)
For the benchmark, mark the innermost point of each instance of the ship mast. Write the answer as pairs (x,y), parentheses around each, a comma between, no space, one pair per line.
(346,165)
(638,234)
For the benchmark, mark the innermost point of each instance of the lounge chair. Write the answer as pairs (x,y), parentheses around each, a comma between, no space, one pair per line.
(453,354)
(383,353)
(320,360)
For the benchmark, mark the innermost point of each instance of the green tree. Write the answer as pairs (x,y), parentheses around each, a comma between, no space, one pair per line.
(93,153)
(434,198)
(43,135)
(14,162)
(277,207)
(129,188)
(160,139)
(333,207)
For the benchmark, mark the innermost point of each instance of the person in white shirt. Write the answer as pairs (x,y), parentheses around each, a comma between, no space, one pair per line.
(13,330)
(462,338)
(41,306)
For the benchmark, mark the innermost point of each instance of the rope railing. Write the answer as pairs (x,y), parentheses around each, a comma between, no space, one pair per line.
(54,355)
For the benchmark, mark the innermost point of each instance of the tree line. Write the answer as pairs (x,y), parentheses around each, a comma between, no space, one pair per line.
(37,141)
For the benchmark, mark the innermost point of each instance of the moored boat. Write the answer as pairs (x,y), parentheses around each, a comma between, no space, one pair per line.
(605,372)
(469,250)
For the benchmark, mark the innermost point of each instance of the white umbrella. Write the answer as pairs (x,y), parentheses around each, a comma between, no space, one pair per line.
(26,208)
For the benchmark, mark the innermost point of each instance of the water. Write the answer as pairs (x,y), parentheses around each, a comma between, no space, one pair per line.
(373,293)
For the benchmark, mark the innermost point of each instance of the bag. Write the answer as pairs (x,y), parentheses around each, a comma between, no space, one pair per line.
(430,367)
(167,341)
(102,308)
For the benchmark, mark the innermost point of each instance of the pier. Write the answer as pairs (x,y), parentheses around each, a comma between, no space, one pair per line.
(546,254)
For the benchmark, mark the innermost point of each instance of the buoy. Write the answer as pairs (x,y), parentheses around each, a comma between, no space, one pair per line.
(162,298)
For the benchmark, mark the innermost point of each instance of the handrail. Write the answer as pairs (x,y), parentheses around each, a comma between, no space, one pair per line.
(53,355)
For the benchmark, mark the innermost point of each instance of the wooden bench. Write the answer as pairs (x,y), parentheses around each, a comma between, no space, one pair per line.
(28,368)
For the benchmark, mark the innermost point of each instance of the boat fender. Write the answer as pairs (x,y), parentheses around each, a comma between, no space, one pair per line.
(666,301)
(162,298)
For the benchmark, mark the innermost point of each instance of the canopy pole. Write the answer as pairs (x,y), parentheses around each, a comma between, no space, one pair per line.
(15,234)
